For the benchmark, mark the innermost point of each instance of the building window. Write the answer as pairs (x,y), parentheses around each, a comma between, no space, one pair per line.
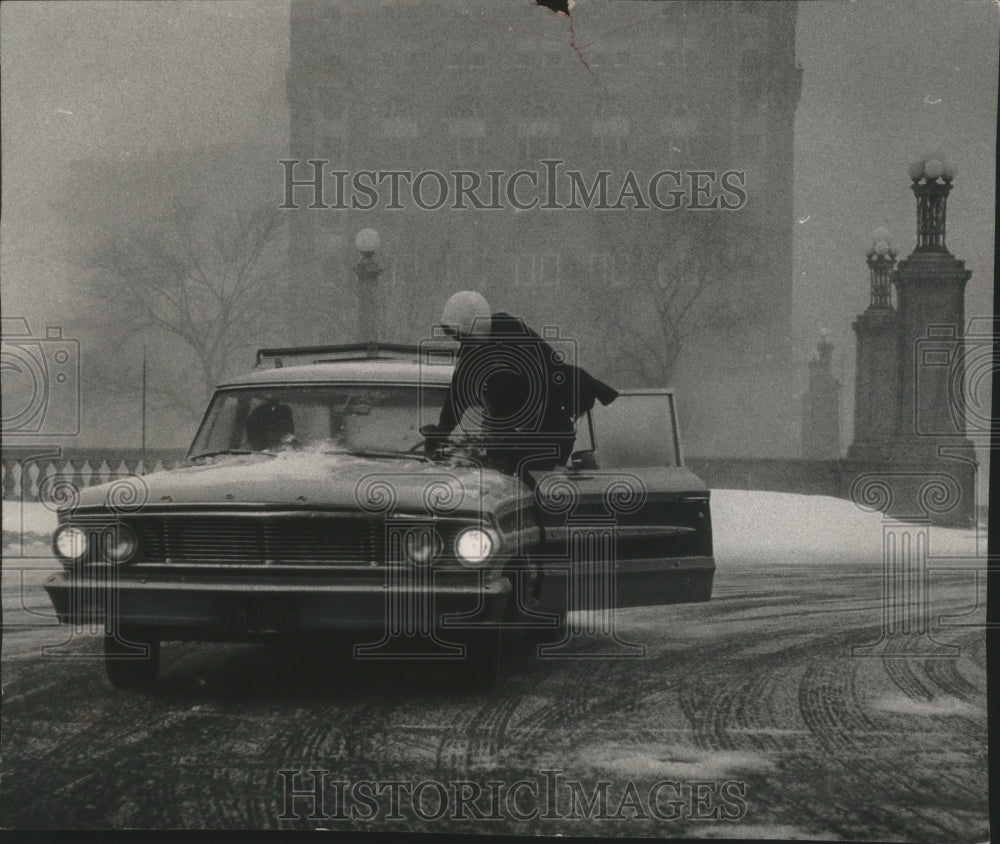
(470,110)
(466,130)
(536,269)
(540,57)
(611,271)
(537,147)
(611,146)
(610,130)
(331,147)
(673,10)
(465,150)
(601,271)
(400,56)
(399,126)
(398,149)
(538,131)
(398,106)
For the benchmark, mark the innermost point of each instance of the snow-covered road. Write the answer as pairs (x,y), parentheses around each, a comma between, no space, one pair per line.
(789,686)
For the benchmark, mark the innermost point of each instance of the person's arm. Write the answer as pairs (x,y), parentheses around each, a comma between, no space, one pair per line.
(598,389)
(585,390)
(450,412)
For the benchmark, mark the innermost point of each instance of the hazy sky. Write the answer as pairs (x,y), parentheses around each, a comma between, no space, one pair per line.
(883,79)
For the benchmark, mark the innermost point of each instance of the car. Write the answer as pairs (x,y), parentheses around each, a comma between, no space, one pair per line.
(307,507)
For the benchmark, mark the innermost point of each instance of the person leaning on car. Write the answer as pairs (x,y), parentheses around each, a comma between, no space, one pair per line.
(531,397)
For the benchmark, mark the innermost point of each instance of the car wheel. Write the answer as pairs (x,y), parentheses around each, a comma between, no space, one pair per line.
(482,658)
(124,663)
(526,622)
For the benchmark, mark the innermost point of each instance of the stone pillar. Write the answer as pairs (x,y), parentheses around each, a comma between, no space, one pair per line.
(929,453)
(821,408)
(931,289)
(876,385)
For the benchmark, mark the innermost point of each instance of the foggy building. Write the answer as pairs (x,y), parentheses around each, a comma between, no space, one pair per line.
(639,88)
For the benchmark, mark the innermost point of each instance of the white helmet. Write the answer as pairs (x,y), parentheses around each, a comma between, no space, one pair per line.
(466,313)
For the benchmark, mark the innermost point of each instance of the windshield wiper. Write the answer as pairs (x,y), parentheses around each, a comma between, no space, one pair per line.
(398,455)
(226,451)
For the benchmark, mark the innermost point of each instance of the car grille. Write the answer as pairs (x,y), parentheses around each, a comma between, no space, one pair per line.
(279,540)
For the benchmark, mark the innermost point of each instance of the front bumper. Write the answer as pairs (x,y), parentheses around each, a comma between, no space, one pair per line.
(218,610)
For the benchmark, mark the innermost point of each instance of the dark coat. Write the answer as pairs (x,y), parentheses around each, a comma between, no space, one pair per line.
(523,383)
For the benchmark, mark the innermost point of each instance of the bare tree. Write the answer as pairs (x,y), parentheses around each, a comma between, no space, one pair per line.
(656,286)
(210,285)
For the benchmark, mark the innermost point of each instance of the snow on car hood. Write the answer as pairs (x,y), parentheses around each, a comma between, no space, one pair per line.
(313,479)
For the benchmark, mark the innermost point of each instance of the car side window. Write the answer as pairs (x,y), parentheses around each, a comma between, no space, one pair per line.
(636,429)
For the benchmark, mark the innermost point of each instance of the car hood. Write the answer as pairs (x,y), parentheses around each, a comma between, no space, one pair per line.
(309,479)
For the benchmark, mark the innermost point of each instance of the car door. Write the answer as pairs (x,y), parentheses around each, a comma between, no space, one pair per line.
(629,524)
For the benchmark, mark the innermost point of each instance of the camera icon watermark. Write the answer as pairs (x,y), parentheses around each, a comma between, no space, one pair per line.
(506,382)
(41,381)
(953,375)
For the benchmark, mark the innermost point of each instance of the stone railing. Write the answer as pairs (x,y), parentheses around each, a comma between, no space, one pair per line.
(28,473)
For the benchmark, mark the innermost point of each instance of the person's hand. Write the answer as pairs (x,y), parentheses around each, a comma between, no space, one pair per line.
(434,438)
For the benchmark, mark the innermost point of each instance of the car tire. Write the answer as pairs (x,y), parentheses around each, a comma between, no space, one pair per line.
(125,666)
(528,623)
(483,658)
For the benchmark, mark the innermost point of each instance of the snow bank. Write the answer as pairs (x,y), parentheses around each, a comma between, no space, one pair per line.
(787,527)
(28,518)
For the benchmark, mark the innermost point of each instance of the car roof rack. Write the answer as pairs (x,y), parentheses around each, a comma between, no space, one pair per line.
(354,351)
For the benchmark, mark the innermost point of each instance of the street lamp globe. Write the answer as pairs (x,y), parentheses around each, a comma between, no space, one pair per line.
(881,242)
(933,168)
(367,241)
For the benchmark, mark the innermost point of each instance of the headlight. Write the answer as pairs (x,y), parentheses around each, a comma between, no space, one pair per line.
(421,546)
(70,542)
(119,543)
(474,546)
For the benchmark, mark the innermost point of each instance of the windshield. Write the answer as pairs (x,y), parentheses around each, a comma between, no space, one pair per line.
(347,418)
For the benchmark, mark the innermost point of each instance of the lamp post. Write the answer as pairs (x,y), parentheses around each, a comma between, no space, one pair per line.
(881,259)
(876,382)
(932,176)
(930,286)
(367,270)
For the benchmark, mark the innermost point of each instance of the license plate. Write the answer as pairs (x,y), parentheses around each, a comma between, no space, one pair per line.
(271,616)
